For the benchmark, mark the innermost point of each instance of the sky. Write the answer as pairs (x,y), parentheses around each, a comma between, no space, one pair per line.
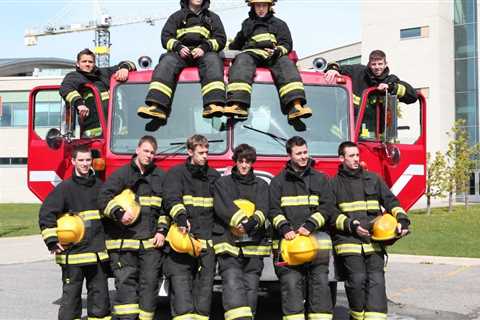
(316,25)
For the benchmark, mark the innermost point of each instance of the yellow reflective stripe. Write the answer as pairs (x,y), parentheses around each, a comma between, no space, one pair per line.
(163,88)
(237,218)
(190,316)
(72,96)
(195,29)
(359,206)
(108,210)
(164,220)
(145,315)
(176,209)
(320,316)
(171,44)
(95,132)
(356,100)
(206,202)
(298,316)
(401,90)
(319,219)
(214,85)
(148,201)
(340,222)
(373,205)
(148,244)
(239,86)
(325,244)
(214,44)
(375,316)
(79,258)
(104,318)
(225,247)
(205,243)
(265,37)
(357,315)
(200,317)
(397,210)
(87,96)
(278,219)
(127,244)
(90,215)
(348,248)
(240,312)
(264,54)
(283,49)
(104,95)
(275,244)
(257,250)
(305,200)
(292,86)
(122,309)
(49,233)
(261,217)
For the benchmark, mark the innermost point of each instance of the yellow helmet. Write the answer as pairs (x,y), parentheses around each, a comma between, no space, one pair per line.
(247,207)
(183,242)
(126,200)
(70,229)
(384,227)
(300,250)
(271,2)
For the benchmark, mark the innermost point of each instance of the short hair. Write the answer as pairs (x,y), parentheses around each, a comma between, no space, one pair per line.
(244,151)
(294,141)
(377,55)
(344,145)
(81,148)
(196,140)
(149,139)
(87,52)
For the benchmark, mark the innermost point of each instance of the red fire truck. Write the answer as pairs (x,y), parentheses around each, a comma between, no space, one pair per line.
(396,152)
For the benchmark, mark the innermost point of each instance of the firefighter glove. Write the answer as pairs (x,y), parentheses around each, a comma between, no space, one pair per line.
(250,225)
(309,225)
(404,223)
(285,228)
(181,220)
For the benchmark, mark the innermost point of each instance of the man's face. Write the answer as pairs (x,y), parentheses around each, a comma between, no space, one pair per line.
(299,156)
(261,9)
(82,163)
(86,63)
(377,66)
(199,155)
(145,153)
(243,166)
(351,158)
(195,3)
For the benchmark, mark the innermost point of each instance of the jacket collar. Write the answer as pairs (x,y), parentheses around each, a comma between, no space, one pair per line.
(349,173)
(84,181)
(148,169)
(249,178)
(373,79)
(290,171)
(197,171)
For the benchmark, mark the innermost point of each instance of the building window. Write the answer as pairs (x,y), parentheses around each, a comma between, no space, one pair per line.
(348,61)
(13,161)
(418,32)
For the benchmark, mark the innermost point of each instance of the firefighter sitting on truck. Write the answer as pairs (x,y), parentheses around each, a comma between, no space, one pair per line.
(72,230)
(134,237)
(375,74)
(265,41)
(193,36)
(359,196)
(301,203)
(77,96)
(239,237)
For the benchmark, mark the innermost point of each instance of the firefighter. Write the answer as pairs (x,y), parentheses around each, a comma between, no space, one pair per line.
(375,74)
(265,41)
(189,201)
(240,243)
(301,203)
(76,95)
(359,196)
(193,36)
(134,246)
(88,258)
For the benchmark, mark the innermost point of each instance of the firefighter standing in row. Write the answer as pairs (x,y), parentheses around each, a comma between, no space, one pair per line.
(265,41)
(240,242)
(359,196)
(87,258)
(189,201)
(301,202)
(193,36)
(134,239)
(81,99)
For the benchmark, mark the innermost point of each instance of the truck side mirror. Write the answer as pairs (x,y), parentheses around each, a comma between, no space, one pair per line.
(392,153)
(54,138)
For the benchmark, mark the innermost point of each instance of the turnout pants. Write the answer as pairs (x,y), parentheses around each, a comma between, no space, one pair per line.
(365,286)
(98,302)
(164,79)
(308,284)
(191,284)
(284,72)
(137,275)
(240,278)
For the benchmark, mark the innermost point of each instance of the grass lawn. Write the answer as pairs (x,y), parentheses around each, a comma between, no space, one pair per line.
(18,219)
(455,234)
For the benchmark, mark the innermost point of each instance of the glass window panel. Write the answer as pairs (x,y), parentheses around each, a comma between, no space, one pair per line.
(465,41)
(352,60)
(20,115)
(6,117)
(465,75)
(465,11)
(410,33)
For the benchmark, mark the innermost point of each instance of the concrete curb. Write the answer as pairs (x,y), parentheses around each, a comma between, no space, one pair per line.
(456,261)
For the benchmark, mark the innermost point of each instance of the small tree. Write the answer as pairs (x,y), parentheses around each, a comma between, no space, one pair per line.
(436,178)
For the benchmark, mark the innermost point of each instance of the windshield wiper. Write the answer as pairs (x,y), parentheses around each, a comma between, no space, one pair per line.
(271,135)
(180,143)
(176,147)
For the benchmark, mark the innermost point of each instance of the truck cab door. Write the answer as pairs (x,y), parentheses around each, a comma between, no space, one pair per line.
(53,131)
(392,140)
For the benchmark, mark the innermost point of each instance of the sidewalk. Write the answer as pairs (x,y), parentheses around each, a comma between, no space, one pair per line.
(32,248)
